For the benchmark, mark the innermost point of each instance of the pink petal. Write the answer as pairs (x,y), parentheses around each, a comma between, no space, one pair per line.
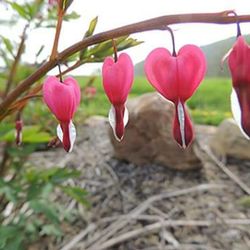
(238,61)
(61,98)
(160,68)
(118,78)
(191,70)
(176,77)
(70,81)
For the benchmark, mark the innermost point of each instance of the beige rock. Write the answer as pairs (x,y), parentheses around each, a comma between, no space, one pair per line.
(148,136)
(229,141)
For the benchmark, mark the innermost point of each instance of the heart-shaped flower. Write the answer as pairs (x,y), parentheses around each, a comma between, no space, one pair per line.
(176,77)
(63,98)
(239,65)
(118,77)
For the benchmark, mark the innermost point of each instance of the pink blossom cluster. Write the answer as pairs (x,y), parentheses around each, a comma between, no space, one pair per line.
(175,76)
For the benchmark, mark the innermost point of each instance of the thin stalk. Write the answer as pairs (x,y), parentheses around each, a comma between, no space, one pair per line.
(14,66)
(115,50)
(60,72)
(57,34)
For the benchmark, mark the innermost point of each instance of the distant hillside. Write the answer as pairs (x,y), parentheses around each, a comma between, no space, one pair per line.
(214,53)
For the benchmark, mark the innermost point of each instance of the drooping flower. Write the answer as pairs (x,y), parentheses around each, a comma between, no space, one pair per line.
(63,98)
(239,65)
(176,77)
(53,2)
(118,77)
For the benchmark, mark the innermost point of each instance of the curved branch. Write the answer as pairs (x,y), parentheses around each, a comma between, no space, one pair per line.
(150,24)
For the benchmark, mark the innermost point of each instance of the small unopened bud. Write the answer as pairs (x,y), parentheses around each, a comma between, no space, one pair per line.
(90,92)
(55,142)
(18,134)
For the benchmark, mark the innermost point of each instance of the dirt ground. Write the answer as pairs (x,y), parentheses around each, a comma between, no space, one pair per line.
(151,207)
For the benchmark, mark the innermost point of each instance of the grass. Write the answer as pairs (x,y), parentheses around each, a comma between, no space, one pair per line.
(211,102)
(209,105)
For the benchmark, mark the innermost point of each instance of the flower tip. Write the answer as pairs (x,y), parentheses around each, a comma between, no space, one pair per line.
(182,127)
(118,138)
(66,133)
(118,119)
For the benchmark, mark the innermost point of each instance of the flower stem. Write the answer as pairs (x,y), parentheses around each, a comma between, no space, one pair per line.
(237,22)
(60,72)
(115,50)
(173,41)
(57,34)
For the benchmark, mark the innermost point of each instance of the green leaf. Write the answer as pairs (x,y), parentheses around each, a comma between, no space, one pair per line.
(11,237)
(10,190)
(34,8)
(5,128)
(73,57)
(244,201)
(67,3)
(21,10)
(76,193)
(92,27)
(55,175)
(8,45)
(72,15)
(45,208)
(104,48)
(59,175)
(31,134)
(88,33)
(128,43)
(51,230)
(39,190)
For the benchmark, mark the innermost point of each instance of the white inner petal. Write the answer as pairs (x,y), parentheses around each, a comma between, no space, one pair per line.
(125,117)
(181,118)
(235,107)
(59,132)
(72,134)
(112,119)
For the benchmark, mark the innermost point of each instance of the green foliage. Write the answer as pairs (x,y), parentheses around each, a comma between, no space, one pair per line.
(31,134)
(28,11)
(34,212)
(100,51)
(211,102)
(244,201)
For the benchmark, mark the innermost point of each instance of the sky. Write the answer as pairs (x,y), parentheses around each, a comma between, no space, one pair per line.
(114,13)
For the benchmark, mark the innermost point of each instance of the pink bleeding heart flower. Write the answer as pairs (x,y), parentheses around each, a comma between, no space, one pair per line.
(239,65)
(63,98)
(176,77)
(118,77)
(53,2)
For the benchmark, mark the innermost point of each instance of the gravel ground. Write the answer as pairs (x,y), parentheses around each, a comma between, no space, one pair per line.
(151,207)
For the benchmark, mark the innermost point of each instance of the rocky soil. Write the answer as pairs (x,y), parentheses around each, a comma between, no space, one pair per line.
(151,206)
